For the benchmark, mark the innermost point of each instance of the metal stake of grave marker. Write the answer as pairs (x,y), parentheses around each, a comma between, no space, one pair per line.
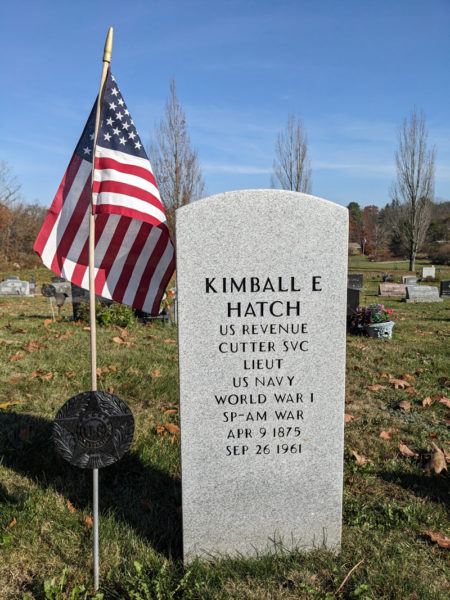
(92,321)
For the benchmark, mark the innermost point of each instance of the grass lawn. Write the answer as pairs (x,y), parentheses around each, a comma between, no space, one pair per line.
(392,499)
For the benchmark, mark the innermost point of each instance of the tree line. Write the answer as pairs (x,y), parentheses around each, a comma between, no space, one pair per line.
(404,226)
(19,221)
(411,222)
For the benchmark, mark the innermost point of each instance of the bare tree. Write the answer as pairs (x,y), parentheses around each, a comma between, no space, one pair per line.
(9,195)
(175,163)
(413,191)
(291,166)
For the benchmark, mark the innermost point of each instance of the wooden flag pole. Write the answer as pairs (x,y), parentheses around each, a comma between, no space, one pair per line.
(106,60)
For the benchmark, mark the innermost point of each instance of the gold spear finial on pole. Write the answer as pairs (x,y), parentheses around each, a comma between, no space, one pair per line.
(108,46)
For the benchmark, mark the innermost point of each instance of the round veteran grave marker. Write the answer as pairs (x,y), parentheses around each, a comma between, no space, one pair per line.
(93,430)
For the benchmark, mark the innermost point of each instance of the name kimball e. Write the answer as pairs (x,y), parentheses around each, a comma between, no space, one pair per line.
(277,308)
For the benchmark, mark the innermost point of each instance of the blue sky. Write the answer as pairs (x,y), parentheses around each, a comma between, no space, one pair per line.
(352,70)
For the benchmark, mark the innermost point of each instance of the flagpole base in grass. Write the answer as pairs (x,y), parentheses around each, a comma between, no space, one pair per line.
(380,330)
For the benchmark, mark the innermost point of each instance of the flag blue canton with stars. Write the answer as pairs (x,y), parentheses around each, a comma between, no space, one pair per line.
(117,130)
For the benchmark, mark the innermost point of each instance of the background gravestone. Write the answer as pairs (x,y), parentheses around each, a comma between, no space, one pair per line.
(422,293)
(355,281)
(391,289)
(261,282)
(12,286)
(428,272)
(445,287)
(409,280)
(352,301)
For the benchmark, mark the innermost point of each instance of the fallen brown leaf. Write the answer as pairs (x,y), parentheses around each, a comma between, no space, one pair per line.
(19,330)
(13,522)
(385,435)
(406,377)
(348,418)
(33,345)
(64,336)
(110,390)
(170,411)
(156,373)
(118,340)
(428,401)
(160,430)
(71,507)
(169,341)
(112,368)
(376,387)
(70,374)
(385,375)
(437,462)
(88,522)
(399,384)
(16,357)
(440,539)
(14,380)
(445,401)
(172,429)
(46,375)
(359,458)
(410,390)
(47,322)
(406,451)
(404,405)
(173,440)
(86,328)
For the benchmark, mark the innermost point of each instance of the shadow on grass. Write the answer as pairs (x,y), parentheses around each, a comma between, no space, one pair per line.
(434,487)
(145,498)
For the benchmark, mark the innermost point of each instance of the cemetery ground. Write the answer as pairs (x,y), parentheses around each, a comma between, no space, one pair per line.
(395,513)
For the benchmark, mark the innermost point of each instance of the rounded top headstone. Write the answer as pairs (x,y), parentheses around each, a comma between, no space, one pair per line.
(93,430)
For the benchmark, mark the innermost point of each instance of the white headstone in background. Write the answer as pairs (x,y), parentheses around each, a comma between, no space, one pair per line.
(262,284)
(428,272)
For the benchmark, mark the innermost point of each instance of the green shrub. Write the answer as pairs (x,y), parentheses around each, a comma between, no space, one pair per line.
(108,314)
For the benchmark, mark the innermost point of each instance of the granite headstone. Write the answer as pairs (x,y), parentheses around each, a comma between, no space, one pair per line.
(391,289)
(355,281)
(352,301)
(428,272)
(261,283)
(422,293)
(409,279)
(445,287)
(14,287)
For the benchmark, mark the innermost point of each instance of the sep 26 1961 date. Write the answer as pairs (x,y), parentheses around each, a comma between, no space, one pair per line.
(264,450)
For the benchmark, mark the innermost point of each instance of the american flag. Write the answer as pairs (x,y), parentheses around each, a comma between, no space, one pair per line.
(134,257)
